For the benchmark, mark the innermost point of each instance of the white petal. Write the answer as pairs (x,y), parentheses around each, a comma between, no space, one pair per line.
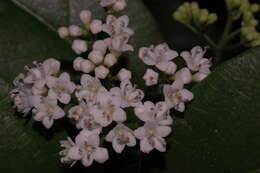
(132,140)
(58,113)
(186,95)
(110,136)
(87,160)
(51,81)
(65,98)
(65,76)
(145,146)
(140,133)
(162,65)
(47,122)
(101,155)
(119,115)
(163,131)
(117,147)
(74,153)
(160,144)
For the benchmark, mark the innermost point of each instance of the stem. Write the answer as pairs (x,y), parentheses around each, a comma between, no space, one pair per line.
(205,36)
(233,34)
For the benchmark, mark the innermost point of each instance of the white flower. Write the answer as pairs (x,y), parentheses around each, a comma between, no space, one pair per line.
(85,16)
(63,32)
(48,111)
(148,112)
(150,77)
(74,30)
(84,120)
(86,66)
(124,74)
(60,88)
(184,75)
(90,87)
(96,57)
(195,60)
(151,136)
(100,45)
(117,5)
(86,148)
(128,94)
(96,26)
(107,109)
(176,96)
(120,136)
(117,26)
(79,46)
(67,154)
(101,72)
(110,60)
(119,44)
(160,56)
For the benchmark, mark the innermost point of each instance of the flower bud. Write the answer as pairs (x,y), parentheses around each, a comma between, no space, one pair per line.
(96,26)
(119,5)
(85,16)
(197,77)
(86,66)
(255,8)
(124,74)
(212,18)
(74,30)
(150,77)
(96,57)
(100,45)
(171,68)
(184,75)
(79,46)
(204,14)
(101,72)
(77,63)
(110,60)
(63,32)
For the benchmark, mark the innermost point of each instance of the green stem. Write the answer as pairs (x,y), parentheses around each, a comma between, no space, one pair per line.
(233,34)
(205,36)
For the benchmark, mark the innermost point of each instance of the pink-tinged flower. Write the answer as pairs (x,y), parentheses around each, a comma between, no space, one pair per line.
(60,88)
(151,136)
(117,5)
(121,136)
(176,96)
(101,72)
(48,111)
(84,120)
(195,60)
(63,32)
(107,109)
(150,77)
(96,26)
(101,46)
(85,16)
(127,94)
(90,87)
(74,30)
(86,149)
(159,56)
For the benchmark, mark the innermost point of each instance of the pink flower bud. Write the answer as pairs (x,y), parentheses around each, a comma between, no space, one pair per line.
(96,26)
(151,77)
(74,30)
(96,57)
(124,74)
(85,16)
(63,32)
(87,66)
(77,63)
(101,46)
(110,60)
(101,72)
(79,46)
(198,77)
(119,5)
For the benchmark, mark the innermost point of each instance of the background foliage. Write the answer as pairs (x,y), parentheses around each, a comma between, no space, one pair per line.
(220,132)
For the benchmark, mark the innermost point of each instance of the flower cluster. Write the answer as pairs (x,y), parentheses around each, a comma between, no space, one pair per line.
(99,109)
(98,55)
(41,89)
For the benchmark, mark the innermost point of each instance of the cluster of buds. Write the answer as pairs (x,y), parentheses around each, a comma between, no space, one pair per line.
(191,14)
(249,24)
(113,5)
(99,111)
(98,55)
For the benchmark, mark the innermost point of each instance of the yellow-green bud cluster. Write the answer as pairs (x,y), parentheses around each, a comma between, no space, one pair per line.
(190,13)
(240,5)
(249,24)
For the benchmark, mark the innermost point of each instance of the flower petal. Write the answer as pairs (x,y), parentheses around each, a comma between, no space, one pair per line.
(101,155)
